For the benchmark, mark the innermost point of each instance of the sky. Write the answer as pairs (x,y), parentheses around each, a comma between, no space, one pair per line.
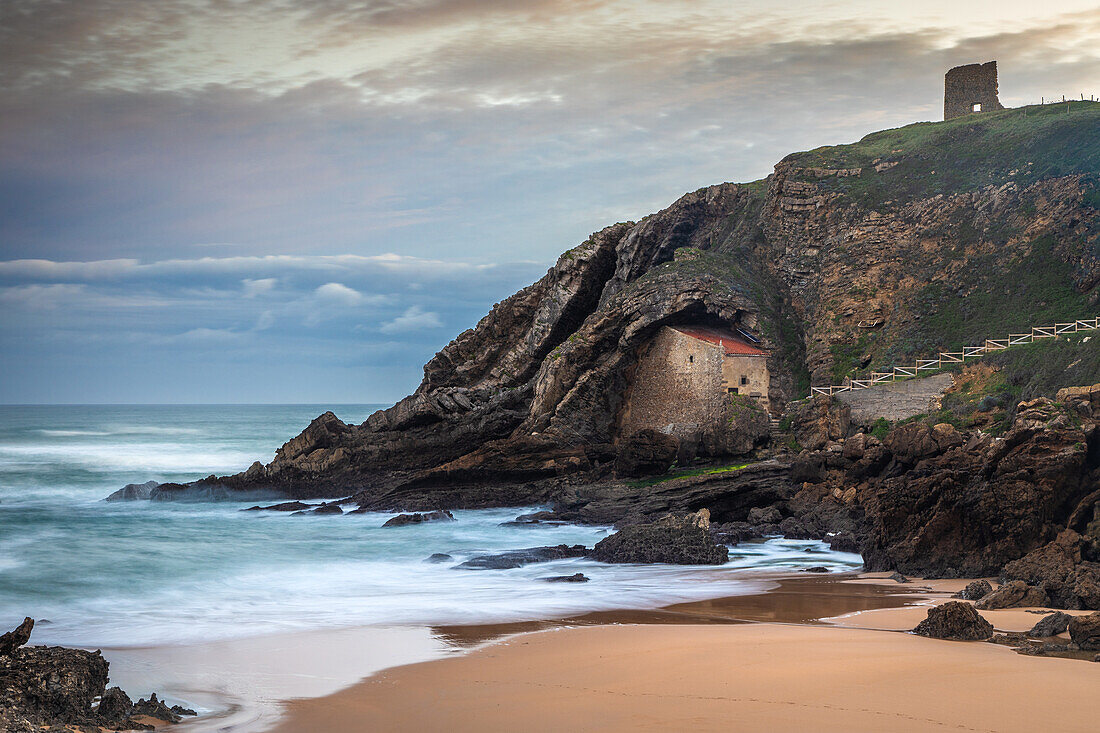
(220,201)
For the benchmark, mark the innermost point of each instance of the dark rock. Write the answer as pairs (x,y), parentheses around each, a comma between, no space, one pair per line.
(1014,594)
(1061,569)
(955,620)
(518,558)
(575,578)
(50,686)
(646,453)
(816,569)
(819,420)
(286,506)
(403,520)
(438,557)
(676,540)
(765,515)
(975,508)
(134,492)
(898,577)
(734,533)
(975,591)
(843,542)
(1052,625)
(1084,631)
(155,708)
(17,637)
(328,509)
(115,705)
(916,440)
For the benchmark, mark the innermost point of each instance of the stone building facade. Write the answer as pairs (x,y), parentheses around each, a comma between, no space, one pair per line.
(970,89)
(685,381)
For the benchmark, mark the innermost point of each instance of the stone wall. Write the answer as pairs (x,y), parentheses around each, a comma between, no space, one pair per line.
(966,86)
(896,400)
(676,387)
(748,375)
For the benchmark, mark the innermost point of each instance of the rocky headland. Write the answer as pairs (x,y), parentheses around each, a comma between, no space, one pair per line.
(844,260)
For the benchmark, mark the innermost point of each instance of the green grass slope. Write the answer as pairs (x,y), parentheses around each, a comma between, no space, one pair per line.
(1025,144)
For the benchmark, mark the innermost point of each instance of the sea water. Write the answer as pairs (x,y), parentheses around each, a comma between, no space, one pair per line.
(141,573)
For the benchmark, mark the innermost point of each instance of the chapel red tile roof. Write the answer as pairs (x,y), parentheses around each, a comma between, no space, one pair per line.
(733,344)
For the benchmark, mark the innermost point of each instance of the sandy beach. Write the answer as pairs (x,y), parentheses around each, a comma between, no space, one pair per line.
(722,675)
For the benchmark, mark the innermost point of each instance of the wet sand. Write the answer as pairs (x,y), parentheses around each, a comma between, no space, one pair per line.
(750,677)
(807,655)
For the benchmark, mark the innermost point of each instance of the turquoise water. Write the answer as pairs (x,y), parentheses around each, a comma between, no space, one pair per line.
(142,573)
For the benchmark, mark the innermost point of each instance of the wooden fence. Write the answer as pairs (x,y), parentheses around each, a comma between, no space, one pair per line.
(1037,333)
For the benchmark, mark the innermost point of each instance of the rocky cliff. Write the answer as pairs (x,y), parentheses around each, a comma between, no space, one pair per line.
(846,258)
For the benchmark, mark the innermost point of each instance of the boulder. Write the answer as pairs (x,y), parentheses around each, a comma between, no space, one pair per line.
(816,569)
(645,453)
(50,685)
(115,705)
(955,620)
(898,577)
(1084,631)
(403,520)
(574,578)
(1052,625)
(519,558)
(1014,594)
(975,591)
(328,509)
(17,637)
(683,540)
(438,557)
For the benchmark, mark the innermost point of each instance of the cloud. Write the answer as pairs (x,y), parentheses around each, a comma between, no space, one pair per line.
(254,288)
(413,319)
(339,294)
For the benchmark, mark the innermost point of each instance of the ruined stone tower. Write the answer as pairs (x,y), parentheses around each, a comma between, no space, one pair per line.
(970,89)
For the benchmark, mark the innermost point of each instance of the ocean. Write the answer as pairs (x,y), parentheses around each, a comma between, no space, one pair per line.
(134,574)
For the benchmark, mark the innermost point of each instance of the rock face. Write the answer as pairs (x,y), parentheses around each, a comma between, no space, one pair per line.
(675,540)
(646,453)
(955,620)
(972,505)
(1061,569)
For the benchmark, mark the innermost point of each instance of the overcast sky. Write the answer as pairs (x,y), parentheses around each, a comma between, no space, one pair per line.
(303,200)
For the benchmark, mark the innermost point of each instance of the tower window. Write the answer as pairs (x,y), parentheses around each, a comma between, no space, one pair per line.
(976,107)
(691,358)
(732,390)
(744,380)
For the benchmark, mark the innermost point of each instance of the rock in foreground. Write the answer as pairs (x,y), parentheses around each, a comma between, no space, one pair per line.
(1051,625)
(45,688)
(955,620)
(674,540)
